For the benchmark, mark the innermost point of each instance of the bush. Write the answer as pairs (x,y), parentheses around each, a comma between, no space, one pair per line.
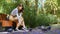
(46,20)
(29,17)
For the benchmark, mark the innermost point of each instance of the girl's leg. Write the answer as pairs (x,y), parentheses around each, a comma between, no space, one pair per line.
(18,24)
(23,24)
(11,18)
(24,27)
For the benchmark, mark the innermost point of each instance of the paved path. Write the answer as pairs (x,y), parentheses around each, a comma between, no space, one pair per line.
(33,32)
(54,30)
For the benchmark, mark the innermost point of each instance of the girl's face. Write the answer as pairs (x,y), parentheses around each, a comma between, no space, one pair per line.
(20,8)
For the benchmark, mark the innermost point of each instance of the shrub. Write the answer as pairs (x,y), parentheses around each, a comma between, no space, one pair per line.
(46,20)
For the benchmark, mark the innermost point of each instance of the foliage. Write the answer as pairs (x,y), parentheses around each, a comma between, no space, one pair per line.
(46,20)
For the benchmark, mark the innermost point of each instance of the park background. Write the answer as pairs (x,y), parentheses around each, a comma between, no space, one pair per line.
(36,12)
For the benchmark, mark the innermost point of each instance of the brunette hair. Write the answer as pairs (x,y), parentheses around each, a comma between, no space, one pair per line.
(21,5)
